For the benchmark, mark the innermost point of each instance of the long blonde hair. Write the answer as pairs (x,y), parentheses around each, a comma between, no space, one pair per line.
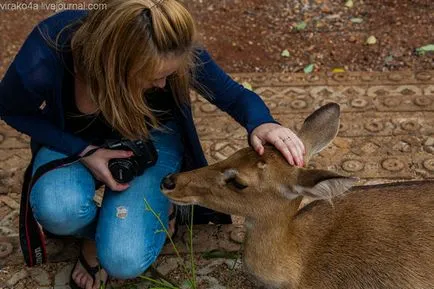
(116,49)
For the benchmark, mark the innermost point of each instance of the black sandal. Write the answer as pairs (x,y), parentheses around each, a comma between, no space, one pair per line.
(91,270)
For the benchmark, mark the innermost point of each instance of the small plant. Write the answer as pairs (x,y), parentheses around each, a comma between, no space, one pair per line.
(164,284)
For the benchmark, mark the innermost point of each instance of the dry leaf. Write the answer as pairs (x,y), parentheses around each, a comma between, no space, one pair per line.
(309,68)
(247,85)
(371,40)
(338,70)
(285,53)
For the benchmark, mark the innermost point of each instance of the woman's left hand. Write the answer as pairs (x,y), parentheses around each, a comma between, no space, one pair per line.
(284,139)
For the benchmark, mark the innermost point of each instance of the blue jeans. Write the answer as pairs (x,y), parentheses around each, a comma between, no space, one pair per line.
(128,237)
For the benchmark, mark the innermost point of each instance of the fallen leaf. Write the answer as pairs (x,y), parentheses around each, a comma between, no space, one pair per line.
(247,85)
(300,26)
(356,20)
(371,40)
(338,70)
(349,3)
(285,53)
(309,68)
(388,58)
(424,49)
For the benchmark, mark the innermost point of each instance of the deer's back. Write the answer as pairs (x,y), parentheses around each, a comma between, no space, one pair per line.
(373,237)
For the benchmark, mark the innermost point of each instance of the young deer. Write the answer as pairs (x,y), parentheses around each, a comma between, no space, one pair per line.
(370,237)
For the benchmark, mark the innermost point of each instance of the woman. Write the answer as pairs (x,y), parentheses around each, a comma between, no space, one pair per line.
(82,78)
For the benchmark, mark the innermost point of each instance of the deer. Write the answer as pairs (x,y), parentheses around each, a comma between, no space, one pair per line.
(347,236)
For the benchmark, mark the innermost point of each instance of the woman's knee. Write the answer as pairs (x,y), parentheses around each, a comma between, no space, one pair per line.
(126,262)
(62,199)
(65,213)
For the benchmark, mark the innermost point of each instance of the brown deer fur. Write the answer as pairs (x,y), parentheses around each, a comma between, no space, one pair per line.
(362,237)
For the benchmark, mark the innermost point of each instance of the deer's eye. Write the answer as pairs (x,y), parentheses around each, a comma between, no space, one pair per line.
(233,181)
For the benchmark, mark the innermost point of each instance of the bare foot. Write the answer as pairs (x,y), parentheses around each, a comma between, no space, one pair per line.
(172,223)
(81,277)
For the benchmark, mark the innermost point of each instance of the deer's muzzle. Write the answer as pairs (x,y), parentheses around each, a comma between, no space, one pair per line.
(168,182)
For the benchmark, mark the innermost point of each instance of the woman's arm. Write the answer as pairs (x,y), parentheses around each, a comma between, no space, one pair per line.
(245,106)
(45,133)
(248,109)
(27,92)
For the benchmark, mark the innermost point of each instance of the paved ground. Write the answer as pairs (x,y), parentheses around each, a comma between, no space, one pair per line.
(387,134)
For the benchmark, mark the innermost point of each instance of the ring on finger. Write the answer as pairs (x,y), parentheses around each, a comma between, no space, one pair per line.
(286,138)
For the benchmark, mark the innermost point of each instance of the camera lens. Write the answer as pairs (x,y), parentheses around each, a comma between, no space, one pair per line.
(122,170)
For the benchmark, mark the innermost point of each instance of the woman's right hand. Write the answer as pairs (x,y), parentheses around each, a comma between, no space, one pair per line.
(97,163)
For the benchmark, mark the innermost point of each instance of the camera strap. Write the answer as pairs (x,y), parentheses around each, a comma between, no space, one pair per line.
(32,237)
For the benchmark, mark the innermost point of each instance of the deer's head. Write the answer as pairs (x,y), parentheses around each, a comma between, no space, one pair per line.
(250,185)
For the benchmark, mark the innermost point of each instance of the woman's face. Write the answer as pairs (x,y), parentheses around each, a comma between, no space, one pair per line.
(168,67)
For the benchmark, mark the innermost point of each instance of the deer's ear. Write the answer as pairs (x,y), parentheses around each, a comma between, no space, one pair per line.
(319,185)
(319,129)
(326,189)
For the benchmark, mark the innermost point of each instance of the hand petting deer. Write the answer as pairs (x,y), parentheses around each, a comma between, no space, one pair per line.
(352,238)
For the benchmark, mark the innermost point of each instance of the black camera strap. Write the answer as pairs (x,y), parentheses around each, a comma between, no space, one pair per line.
(32,238)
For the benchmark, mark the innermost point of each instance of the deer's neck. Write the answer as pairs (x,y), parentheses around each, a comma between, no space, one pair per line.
(271,251)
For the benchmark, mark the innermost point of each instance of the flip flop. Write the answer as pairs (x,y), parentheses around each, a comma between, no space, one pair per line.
(91,270)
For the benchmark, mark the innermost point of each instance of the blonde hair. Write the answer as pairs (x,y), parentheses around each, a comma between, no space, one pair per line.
(116,49)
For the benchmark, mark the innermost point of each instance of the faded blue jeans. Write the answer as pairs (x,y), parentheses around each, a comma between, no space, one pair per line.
(128,237)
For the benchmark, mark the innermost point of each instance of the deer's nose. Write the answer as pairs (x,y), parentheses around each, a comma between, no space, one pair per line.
(168,183)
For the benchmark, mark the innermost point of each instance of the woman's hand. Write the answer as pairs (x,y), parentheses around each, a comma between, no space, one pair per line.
(97,163)
(284,139)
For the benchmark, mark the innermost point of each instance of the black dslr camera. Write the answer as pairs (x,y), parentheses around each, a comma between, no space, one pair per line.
(125,169)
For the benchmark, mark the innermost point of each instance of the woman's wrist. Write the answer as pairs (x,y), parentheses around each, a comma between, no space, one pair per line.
(86,150)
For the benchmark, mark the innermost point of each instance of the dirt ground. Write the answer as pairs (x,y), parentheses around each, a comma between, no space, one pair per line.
(256,33)
(250,35)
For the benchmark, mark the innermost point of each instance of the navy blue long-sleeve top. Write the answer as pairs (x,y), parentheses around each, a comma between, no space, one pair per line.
(31,98)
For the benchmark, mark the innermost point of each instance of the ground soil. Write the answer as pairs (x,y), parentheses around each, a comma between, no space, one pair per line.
(249,35)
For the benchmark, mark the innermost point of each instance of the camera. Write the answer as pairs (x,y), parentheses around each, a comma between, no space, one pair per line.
(126,169)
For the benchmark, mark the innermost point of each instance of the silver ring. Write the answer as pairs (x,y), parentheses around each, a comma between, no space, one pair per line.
(286,138)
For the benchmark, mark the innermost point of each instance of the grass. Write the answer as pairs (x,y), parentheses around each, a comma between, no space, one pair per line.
(189,272)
